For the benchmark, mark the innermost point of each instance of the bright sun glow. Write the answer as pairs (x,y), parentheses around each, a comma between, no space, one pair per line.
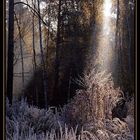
(43,5)
(107,8)
(104,51)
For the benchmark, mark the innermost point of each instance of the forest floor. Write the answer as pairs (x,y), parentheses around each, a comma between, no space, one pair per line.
(88,116)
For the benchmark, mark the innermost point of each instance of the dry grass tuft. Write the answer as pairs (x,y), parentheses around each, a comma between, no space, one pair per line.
(96,100)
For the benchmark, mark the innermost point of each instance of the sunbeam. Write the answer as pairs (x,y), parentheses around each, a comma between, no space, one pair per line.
(104,48)
(107,8)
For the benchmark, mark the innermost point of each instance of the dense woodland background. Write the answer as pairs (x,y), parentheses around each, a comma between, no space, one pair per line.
(53,49)
(57,43)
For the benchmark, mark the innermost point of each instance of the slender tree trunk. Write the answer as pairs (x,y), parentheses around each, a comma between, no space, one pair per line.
(117,44)
(57,63)
(117,26)
(10,51)
(21,52)
(48,31)
(44,73)
(129,38)
(33,41)
(34,51)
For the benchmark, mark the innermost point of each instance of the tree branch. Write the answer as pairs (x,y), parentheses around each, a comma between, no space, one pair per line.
(36,13)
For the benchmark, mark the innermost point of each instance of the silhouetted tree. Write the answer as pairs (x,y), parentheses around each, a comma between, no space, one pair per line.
(10,51)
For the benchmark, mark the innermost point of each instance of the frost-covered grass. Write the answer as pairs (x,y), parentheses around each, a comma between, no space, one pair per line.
(88,116)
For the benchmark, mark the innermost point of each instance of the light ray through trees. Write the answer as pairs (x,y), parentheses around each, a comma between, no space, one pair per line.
(104,47)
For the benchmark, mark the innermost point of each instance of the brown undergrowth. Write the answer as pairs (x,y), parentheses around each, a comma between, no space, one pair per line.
(88,116)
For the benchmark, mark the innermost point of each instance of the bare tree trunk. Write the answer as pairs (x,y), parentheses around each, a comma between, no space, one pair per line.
(57,63)
(44,73)
(10,51)
(128,18)
(33,36)
(21,51)
(48,31)
(34,51)
(117,44)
